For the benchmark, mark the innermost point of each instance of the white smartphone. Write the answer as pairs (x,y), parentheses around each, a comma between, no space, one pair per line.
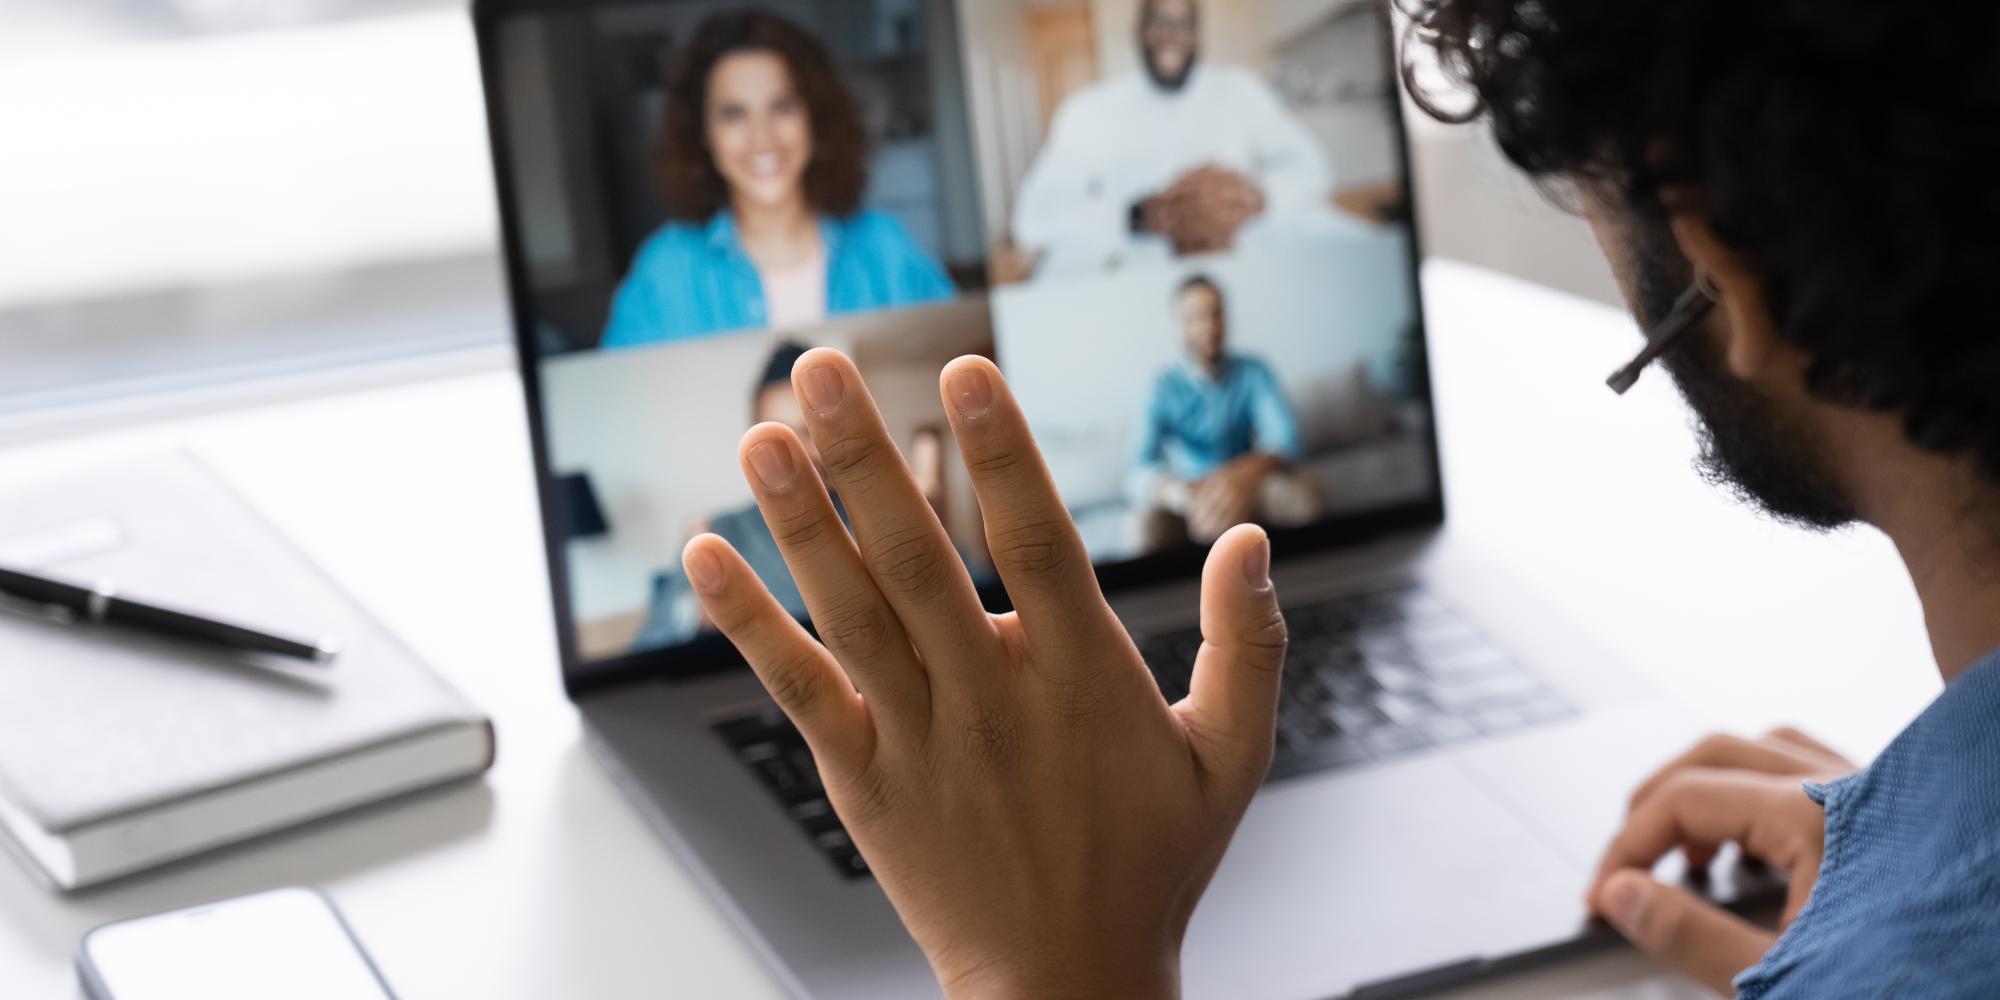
(282,943)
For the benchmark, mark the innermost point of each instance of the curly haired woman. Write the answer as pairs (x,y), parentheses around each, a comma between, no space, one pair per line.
(762,165)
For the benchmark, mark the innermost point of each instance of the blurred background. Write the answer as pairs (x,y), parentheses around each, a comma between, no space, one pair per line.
(290,193)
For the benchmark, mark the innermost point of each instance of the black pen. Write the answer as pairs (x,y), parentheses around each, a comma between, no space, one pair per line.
(71,604)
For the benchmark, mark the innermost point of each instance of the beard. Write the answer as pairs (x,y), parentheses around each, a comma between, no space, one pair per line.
(1168,82)
(1749,445)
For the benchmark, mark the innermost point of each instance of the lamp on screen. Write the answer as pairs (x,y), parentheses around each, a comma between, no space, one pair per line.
(582,516)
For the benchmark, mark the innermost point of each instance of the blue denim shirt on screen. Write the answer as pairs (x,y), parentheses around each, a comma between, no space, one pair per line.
(1907,903)
(674,615)
(1196,424)
(692,280)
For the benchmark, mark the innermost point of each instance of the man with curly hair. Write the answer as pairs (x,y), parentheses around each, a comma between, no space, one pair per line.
(1795,197)
(1815,174)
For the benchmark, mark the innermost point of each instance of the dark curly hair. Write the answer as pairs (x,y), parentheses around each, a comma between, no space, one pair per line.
(690,184)
(785,355)
(1844,147)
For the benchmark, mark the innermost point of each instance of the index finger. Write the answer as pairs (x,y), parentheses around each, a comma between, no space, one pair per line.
(1034,543)
(803,678)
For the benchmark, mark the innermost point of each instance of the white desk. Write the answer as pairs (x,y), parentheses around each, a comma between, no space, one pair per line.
(542,882)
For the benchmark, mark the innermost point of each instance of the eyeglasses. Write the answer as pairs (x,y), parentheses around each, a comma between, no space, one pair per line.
(1694,306)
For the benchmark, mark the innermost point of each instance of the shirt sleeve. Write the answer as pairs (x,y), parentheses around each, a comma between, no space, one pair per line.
(1064,200)
(635,310)
(1935,937)
(919,278)
(1276,426)
(1293,170)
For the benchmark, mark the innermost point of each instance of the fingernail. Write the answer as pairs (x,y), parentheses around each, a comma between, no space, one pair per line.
(1257,564)
(971,393)
(1624,905)
(772,462)
(704,570)
(824,389)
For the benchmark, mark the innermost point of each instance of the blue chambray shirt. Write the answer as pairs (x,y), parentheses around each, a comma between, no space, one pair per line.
(691,281)
(674,615)
(1196,424)
(1907,903)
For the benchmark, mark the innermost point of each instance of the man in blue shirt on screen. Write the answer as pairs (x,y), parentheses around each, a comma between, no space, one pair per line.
(1219,439)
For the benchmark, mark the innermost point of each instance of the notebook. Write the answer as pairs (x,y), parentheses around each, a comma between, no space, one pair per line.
(119,753)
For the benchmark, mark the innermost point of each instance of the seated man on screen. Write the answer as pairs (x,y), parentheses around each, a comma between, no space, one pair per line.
(676,616)
(1219,438)
(1176,160)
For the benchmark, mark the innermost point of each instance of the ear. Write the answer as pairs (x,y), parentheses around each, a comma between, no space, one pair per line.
(1752,346)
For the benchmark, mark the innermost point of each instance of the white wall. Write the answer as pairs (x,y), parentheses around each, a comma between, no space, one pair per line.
(191,161)
(1476,207)
(1334,74)
(1000,93)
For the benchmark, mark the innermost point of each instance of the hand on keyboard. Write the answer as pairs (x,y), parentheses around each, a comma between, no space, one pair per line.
(1042,818)
(1724,790)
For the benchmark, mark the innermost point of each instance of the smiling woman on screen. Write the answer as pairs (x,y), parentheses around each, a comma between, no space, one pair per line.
(763,163)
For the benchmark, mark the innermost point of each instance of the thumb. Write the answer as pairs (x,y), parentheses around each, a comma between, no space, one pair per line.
(1233,696)
(1683,931)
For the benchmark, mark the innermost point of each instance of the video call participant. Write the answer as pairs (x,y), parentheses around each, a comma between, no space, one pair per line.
(1844,376)
(1219,438)
(763,163)
(675,616)
(1171,161)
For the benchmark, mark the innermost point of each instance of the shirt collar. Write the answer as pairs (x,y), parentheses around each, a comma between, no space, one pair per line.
(721,232)
(1199,375)
(722,238)
(1943,764)
(1972,699)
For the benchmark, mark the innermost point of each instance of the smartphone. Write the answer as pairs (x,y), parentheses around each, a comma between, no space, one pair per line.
(282,943)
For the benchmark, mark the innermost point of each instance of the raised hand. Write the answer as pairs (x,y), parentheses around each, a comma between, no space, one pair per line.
(1042,819)
(1724,790)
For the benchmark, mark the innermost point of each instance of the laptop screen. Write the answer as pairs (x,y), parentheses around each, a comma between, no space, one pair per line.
(1181,227)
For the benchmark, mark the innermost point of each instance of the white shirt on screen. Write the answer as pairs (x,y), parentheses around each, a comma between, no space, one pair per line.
(796,296)
(1123,140)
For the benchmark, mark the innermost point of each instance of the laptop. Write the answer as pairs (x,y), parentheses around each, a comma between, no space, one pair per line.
(1189,241)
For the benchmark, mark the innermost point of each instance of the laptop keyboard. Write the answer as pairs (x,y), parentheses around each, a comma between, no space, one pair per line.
(1375,676)
(766,741)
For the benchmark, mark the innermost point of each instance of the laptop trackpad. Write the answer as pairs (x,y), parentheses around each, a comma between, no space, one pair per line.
(1348,879)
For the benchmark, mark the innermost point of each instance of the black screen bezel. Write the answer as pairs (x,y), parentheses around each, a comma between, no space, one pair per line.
(710,654)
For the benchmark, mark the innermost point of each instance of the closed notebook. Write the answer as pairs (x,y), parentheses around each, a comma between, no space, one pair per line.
(119,752)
